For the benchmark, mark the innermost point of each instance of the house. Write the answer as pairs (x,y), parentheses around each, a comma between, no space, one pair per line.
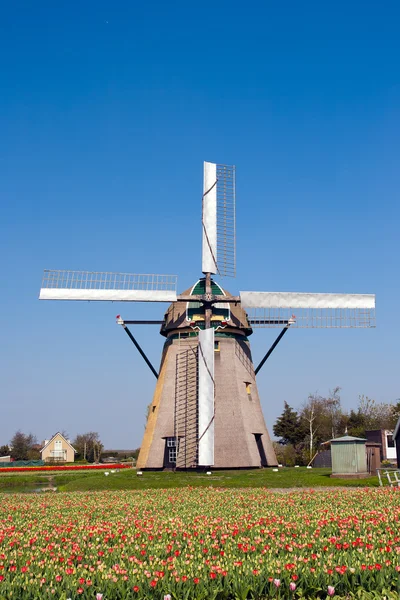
(58,449)
(386,439)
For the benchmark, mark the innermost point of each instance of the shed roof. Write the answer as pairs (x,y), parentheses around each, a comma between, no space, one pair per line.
(348,438)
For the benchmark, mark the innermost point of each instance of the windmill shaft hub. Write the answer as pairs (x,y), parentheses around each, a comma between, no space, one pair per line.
(207,299)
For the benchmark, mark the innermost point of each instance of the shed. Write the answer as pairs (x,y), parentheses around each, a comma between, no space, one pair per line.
(396,437)
(349,457)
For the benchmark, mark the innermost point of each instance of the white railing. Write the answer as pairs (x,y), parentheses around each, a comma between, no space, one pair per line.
(392,475)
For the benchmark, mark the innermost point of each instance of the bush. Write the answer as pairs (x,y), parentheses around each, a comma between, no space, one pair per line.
(286,454)
(290,455)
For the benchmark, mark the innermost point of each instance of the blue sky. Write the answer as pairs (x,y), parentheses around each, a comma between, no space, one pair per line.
(107,111)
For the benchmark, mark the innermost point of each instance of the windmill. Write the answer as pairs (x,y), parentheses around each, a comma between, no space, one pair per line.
(206,409)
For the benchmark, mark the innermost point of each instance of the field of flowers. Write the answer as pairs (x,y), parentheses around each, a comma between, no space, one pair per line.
(199,544)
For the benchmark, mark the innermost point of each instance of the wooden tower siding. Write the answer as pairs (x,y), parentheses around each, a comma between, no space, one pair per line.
(241,437)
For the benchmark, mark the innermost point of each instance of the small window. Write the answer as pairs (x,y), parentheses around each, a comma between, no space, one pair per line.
(248,390)
(172,455)
(390,441)
(153,408)
(216,347)
(172,445)
(58,444)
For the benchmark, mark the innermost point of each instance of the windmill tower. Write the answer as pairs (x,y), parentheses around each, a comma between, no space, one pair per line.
(206,409)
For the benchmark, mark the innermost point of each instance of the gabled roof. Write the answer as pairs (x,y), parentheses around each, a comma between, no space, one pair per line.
(348,438)
(54,436)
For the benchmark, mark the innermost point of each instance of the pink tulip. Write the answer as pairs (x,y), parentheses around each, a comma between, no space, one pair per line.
(331,590)
(167,597)
(99,596)
(292,586)
(277,582)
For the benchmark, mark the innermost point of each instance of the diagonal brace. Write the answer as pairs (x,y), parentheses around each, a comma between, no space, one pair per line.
(274,345)
(141,352)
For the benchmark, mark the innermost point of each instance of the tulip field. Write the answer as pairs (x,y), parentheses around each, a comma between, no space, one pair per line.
(200,543)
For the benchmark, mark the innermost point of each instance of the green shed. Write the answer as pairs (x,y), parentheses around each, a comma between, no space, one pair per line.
(349,458)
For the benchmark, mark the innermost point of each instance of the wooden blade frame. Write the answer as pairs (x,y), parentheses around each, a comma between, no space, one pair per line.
(274,309)
(105,286)
(312,317)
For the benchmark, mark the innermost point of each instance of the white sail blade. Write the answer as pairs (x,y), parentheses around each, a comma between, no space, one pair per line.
(113,287)
(209,219)
(277,309)
(305,300)
(219,220)
(206,397)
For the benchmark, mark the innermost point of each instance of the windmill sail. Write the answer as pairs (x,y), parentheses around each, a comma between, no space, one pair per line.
(209,219)
(274,309)
(114,287)
(206,397)
(219,224)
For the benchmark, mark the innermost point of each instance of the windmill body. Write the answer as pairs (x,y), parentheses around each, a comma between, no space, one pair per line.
(206,409)
(240,436)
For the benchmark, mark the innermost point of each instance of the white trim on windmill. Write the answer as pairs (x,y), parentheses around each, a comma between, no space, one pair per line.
(206,397)
(209,219)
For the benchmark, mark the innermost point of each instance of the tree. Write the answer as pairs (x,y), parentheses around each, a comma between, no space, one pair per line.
(22,445)
(309,416)
(356,424)
(372,415)
(88,446)
(4,450)
(334,410)
(286,454)
(288,426)
(395,412)
(323,419)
